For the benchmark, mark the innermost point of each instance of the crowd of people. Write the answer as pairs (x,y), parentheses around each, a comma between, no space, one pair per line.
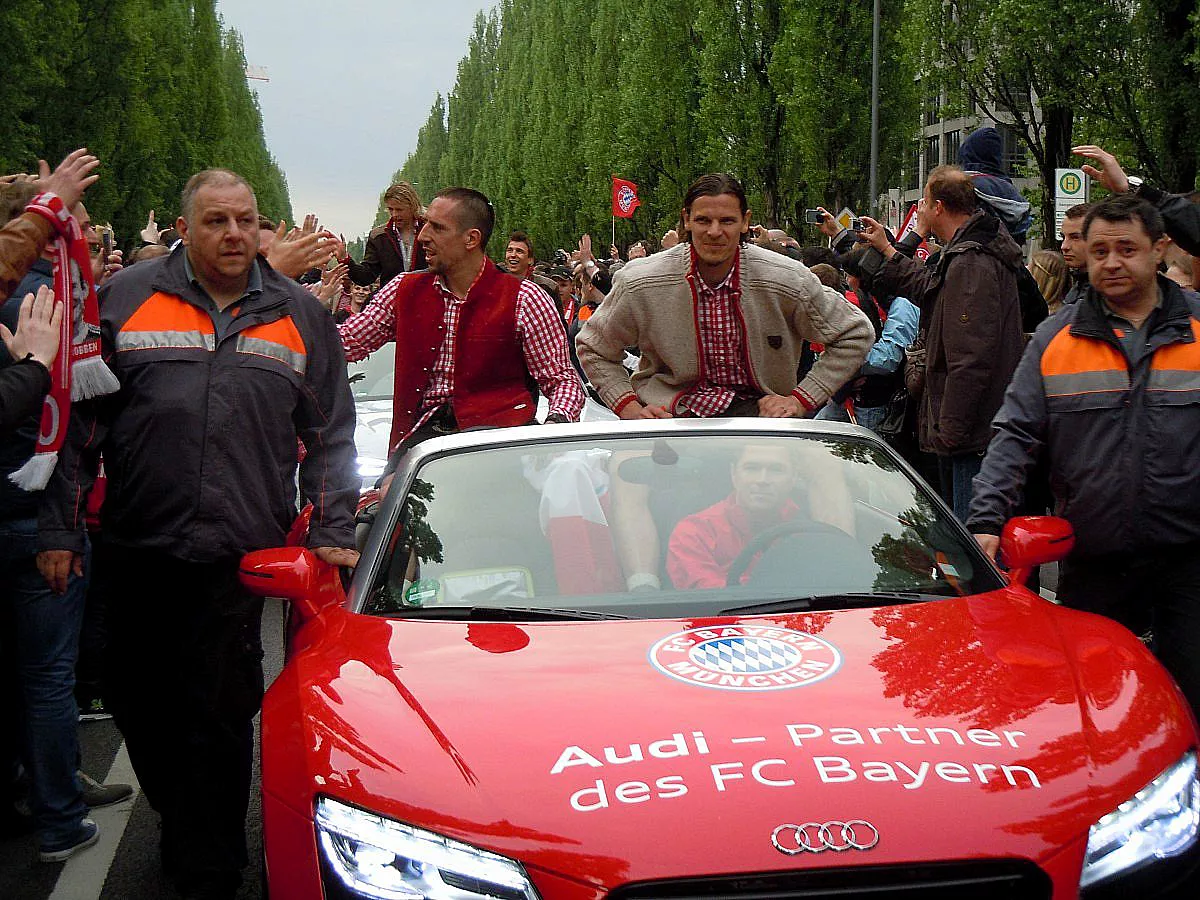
(202,373)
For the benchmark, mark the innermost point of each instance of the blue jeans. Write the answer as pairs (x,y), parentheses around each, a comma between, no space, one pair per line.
(867,416)
(41,644)
(956,474)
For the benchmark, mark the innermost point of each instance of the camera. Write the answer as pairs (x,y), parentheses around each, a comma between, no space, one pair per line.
(814,216)
(856,224)
(561,256)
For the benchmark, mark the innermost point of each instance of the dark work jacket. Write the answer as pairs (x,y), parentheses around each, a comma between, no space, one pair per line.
(382,258)
(1120,441)
(17,445)
(23,386)
(200,442)
(974,331)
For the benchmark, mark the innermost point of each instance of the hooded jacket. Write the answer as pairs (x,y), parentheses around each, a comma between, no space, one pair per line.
(969,302)
(982,157)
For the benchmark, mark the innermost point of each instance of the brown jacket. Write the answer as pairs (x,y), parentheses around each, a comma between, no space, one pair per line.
(970,307)
(21,243)
(382,259)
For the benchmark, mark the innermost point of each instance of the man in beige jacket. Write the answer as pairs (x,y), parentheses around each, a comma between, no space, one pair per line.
(720,324)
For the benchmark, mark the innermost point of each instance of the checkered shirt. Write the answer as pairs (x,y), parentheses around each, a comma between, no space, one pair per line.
(539,331)
(724,375)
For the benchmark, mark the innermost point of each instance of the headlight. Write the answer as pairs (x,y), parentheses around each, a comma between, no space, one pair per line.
(378,857)
(1159,821)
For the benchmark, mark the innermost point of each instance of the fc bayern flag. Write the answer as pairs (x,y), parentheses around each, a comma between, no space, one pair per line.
(625,198)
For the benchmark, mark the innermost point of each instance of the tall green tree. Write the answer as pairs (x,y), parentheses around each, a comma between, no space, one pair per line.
(156,88)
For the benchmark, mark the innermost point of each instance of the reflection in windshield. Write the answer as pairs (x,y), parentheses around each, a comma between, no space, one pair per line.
(654,527)
(373,378)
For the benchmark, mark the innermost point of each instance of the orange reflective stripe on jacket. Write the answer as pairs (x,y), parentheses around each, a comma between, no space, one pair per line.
(1176,367)
(166,321)
(279,340)
(1074,365)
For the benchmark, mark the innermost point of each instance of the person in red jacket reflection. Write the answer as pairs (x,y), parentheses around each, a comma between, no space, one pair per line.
(703,545)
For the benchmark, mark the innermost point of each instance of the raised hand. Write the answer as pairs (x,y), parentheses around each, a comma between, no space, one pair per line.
(149,234)
(38,328)
(73,176)
(1110,174)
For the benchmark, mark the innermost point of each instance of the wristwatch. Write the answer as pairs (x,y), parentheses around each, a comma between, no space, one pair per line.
(1139,188)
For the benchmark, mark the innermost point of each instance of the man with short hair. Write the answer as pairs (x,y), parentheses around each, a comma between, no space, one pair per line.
(704,544)
(721,324)
(969,301)
(1108,397)
(472,365)
(224,367)
(1074,251)
(518,255)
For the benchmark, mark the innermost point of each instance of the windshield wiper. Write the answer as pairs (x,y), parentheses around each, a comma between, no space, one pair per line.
(506,613)
(829,601)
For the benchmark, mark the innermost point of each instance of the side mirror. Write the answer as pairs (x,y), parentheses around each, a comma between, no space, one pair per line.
(1030,541)
(295,575)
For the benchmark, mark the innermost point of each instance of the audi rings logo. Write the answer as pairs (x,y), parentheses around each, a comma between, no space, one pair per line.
(817,837)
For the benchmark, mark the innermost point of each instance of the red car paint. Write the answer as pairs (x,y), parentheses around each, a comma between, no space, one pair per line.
(458,728)
(994,726)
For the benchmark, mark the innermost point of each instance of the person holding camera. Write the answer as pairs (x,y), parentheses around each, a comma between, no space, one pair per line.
(970,303)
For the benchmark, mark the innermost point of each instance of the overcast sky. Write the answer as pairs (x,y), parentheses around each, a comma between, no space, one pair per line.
(351,84)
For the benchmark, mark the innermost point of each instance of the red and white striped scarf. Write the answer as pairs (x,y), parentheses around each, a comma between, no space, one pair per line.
(78,372)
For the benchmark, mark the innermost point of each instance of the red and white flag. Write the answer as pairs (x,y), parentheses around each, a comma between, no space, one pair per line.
(910,224)
(625,199)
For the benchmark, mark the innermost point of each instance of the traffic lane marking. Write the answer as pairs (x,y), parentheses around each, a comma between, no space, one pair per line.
(83,875)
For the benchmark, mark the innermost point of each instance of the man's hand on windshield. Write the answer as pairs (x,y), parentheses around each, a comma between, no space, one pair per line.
(773,406)
(989,544)
(336,556)
(635,410)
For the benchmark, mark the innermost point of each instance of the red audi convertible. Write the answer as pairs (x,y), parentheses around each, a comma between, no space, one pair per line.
(707,659)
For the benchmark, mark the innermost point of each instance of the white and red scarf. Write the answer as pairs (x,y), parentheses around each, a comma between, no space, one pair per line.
(78,372)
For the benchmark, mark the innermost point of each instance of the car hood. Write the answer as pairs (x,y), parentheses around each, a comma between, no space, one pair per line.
(601,750)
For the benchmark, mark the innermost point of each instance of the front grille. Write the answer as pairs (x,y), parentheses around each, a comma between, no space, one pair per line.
(983,880)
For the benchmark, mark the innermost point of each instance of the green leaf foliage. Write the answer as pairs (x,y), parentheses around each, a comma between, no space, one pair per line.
(155,88)
(553,97)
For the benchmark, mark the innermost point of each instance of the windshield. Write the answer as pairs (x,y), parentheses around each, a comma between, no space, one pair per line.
(687,525)
(372,378)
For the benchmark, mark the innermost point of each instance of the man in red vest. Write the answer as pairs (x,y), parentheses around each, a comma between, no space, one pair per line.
(472,340)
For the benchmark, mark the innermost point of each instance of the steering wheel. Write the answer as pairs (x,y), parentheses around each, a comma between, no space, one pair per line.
(769,536)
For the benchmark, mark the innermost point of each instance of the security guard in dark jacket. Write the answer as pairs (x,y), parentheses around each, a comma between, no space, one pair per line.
(1108,392)
(223,365)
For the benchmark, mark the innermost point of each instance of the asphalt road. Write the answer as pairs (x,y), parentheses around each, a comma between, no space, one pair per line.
(124,864)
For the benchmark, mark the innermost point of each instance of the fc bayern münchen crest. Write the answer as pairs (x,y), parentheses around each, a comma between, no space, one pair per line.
(625,198)
(745,657)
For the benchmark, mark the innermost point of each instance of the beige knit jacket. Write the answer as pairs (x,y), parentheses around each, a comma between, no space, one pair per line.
(782,304)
